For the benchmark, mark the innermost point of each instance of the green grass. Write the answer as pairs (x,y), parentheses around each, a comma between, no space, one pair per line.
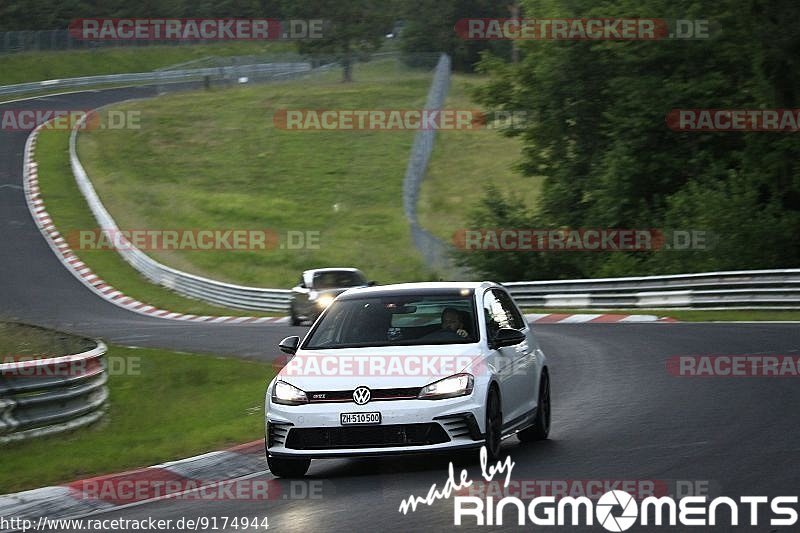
(70,213)
(176,405)
(21,341)
(39,66)
(463,164)
(691,315)
(214,160)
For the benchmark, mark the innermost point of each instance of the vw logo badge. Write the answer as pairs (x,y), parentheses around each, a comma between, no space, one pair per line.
(361,395)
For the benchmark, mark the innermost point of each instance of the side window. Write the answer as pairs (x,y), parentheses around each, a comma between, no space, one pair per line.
(510,310)
(496,316)
(501,312)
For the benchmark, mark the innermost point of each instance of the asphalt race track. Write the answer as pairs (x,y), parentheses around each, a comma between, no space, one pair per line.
(617,413)
(36,288)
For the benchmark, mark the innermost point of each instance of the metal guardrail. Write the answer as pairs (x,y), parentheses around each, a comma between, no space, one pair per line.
(164,77)
(776,289)
(61,40)
(745,289)
(189,285)
(45,396)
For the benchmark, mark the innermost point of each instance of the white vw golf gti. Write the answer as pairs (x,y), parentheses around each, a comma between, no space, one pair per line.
(412,368)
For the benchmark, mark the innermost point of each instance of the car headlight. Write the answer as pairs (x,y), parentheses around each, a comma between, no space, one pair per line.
(286,394)
(324,301)
(458,385)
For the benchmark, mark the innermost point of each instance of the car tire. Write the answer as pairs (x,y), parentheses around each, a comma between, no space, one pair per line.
(540,429)
(288,468)
(294,320)
(494,424)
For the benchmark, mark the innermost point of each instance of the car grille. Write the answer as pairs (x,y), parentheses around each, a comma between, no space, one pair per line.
(343,396)
(366,437)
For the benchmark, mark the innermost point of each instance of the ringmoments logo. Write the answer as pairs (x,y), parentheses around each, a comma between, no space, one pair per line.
(615,510)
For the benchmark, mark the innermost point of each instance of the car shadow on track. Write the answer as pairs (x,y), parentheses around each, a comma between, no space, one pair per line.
(423,463)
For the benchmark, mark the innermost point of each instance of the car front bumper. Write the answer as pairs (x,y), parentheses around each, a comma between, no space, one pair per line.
(407,427)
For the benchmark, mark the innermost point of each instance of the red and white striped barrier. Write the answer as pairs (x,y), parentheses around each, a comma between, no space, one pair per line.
(559,318)
(82,271)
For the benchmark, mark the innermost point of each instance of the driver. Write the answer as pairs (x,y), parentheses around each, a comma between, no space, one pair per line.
(452,326)
(452,321)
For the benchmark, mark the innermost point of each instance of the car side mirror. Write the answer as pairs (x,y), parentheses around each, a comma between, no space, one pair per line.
(507,337)
(289,344)
(371,283)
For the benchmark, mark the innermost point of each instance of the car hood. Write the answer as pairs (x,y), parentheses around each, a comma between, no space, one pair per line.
(333,292)
(378,368)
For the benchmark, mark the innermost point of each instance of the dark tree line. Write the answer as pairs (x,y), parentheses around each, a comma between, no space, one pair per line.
(599,139)
(56,14)
(354,26)
(598,135)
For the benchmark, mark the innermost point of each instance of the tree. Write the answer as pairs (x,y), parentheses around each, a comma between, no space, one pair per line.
(430,29)
(351,28)
(599,138)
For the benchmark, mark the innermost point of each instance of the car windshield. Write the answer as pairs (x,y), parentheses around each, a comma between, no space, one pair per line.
(397,321)
(335,279)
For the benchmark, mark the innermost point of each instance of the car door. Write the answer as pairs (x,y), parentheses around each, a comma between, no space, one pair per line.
(515,364)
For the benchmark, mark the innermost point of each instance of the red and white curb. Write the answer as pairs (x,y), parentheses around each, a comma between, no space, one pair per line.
(81,271)
(211,476)
(587,318)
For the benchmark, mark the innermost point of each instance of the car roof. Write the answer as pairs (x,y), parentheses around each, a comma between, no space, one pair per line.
(417,288)
(331,269)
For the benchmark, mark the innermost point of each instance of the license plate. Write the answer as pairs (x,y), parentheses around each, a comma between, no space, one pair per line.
(360,418)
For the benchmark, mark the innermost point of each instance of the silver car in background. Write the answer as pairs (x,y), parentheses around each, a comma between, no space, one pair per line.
(318,287)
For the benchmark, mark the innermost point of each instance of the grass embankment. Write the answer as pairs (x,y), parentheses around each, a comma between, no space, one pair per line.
(39,66)
(463,164)
(162,406)
(70,213)
(216,160)
(691,315)
(20,341)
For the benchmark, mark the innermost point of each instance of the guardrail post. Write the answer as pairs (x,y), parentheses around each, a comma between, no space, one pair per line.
(7,422)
